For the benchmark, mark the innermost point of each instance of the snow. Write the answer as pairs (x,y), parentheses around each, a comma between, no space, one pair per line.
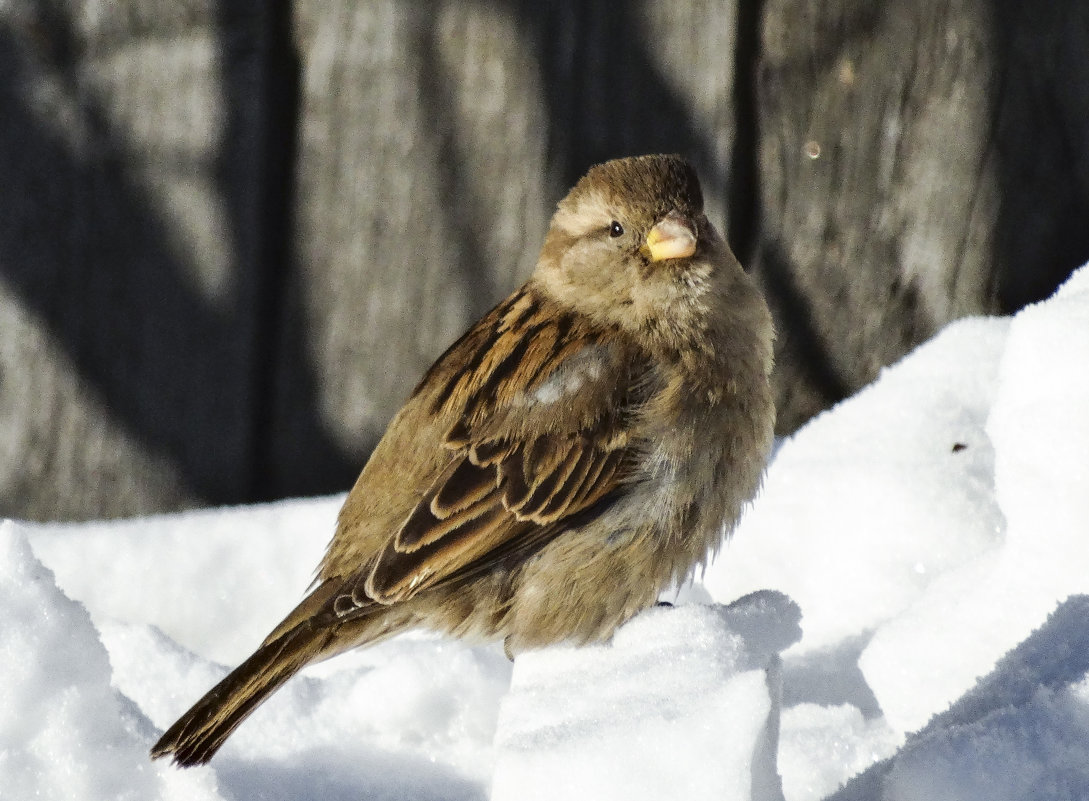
(687,695)
(65,733)
(931,532)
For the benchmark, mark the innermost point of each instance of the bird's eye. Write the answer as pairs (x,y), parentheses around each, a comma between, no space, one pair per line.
(616,229)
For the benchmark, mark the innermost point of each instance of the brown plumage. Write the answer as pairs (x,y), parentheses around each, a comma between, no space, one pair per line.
(578,450)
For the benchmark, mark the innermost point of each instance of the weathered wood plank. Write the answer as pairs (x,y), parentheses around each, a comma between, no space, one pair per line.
(909,174)
(126,258)
(420,188)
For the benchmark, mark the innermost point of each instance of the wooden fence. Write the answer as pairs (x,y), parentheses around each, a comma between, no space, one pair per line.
(232,234)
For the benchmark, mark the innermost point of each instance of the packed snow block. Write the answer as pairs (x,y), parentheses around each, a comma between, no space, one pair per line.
(683,703)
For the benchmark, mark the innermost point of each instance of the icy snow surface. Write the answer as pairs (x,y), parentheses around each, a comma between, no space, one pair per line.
(933,531)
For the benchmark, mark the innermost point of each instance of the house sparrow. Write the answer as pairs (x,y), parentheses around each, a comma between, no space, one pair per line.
(576,452)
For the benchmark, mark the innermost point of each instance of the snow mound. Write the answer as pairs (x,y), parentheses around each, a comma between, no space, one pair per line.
(65,733)
(689,696)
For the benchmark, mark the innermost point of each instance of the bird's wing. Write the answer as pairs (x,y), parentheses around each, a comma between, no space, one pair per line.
(541,436)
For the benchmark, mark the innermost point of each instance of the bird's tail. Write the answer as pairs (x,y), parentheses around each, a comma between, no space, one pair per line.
(200,732)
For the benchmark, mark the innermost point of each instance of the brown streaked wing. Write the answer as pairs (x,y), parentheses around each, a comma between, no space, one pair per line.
(603,476)
(490,451)
(398,575)
(545,500)
(517,470)
(489,362)
(564,493)
(423,527)
(430,549)
(465,485)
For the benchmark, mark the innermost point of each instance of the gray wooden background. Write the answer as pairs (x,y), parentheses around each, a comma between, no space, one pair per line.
(233,233)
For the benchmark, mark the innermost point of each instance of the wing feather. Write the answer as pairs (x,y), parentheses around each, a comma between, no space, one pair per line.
(398,575)
(467,484)
(521,466)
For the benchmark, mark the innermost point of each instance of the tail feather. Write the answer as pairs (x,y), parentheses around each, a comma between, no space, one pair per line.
(199,733)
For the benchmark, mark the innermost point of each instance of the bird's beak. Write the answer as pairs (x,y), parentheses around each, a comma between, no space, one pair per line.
(671,238)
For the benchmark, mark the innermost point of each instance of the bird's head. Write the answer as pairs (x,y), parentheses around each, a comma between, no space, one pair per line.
(630,246)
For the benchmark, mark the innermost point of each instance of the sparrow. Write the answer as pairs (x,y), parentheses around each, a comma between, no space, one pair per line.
(581,448)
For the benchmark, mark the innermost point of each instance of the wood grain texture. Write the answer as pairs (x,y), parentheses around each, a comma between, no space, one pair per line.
(126,258)
(421,200)
(902,182)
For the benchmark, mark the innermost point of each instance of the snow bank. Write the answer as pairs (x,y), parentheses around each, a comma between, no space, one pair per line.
(1021,733)
(933,530)
(412,716)
(927,527)
(872,501)
(65,733)
(215,581)
(1039,429)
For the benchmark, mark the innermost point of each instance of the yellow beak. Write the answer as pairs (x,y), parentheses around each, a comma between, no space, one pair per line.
(671,238)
